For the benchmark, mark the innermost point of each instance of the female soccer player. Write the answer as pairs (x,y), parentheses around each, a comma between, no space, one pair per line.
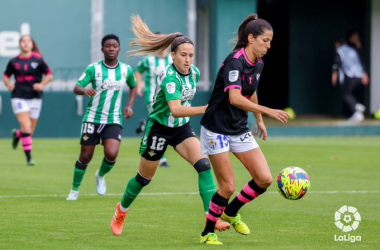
(103,118)
(28,68)
(152,66)
(168,122)
(224,126)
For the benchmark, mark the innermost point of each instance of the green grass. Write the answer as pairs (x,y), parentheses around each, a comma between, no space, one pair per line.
(35,215)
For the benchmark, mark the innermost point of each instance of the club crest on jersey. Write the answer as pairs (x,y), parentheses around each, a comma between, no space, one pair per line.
(258,76)
(34,65)
(108,84)
(233,75)
(170,87)
(212,144)
(85,137)
(151,153)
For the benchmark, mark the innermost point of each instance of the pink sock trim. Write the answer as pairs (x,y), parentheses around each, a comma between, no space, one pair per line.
(215,208)
(242,198)
(26,143)
(18,133)
(212,218)
(248,190)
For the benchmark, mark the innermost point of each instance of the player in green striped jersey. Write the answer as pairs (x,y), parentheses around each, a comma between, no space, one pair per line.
(168,122)
(151,66)
(104,116)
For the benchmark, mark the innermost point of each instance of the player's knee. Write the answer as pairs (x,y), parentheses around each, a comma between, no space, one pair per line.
(142,180)
(227,190)
(202,165)
(264,182)
(85,158)
(111,155)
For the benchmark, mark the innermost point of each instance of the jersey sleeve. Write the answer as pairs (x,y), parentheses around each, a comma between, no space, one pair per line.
(142,65)
(86,77)
(171,87)
(44,68)
(232,74)
(9,71)
(131,80)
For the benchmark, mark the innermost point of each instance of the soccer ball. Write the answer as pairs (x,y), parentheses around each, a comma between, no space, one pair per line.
(293,183)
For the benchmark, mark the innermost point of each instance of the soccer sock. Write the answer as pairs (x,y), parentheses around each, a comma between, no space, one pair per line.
(249,192)
(217,206)
(205,181)
(134,187)
(163,158)
(106,166)
(26,141)
(79,171)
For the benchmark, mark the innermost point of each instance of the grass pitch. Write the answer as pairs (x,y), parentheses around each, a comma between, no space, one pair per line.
(168,214)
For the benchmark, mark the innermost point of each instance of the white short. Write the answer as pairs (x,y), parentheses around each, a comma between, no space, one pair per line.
(214,143)
(33,106)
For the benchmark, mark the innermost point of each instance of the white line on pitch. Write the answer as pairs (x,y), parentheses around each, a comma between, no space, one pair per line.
(190,193)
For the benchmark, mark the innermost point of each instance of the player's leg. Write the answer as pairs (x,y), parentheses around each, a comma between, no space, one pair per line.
(249,153)
(89,139)
(25,135)
(111,138)
(152,147)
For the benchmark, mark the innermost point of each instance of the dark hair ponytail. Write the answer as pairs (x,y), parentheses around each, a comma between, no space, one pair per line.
(252,24)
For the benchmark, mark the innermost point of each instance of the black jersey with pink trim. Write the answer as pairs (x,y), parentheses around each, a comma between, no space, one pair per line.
(236,72)
(27,71)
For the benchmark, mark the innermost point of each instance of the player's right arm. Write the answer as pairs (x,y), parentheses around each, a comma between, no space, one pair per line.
(141,67)
(83,81)
(7,77)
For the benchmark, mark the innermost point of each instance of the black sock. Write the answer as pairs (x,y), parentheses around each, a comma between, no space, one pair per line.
(216,208)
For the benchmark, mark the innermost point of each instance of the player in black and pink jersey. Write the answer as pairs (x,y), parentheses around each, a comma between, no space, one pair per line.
(28,69)
(224,126)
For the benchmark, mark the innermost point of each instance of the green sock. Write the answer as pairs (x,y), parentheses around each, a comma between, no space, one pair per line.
(77,178)
(105,167)
(131,192)
(206,187)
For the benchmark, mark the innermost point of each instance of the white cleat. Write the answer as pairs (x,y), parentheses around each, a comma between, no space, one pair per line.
(100,184)
(73,195)
(360,107)
(356,117)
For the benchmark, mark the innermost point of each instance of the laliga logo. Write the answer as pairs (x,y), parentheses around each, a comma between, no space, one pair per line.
(347,218)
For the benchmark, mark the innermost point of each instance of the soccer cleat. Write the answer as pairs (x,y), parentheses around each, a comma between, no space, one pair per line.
(164,164)
(236,222)
(100,184)
(221,225)
(117,222)
(210,239)
(141,127)
(15,139)
(73,195)
(30,163)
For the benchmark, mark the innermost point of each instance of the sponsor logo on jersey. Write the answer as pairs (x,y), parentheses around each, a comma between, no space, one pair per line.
(170,87)
(82,76)
(108,84)
(187,94)
(233,75)
(258,76)
(85,137)
(34,65)
(246,136)
(97,74)
(151,153)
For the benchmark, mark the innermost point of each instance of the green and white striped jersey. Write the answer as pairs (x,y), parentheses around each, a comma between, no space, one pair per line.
(106,106)
(172,85)
(152,66)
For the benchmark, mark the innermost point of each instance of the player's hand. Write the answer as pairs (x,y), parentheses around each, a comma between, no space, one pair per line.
(334,78)
(279,115)
(11,87)
(365,79)
(89,92)
(139,90)
(37,87)
(262,130)
(128,112)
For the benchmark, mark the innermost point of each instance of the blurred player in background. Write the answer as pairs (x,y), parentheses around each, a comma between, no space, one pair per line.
(224,127)
(28,69)
(103,118)
(168,122)
(152,66)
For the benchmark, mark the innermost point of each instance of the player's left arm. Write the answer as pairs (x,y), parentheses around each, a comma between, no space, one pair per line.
(131,81)
(259,119)
(48,76)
